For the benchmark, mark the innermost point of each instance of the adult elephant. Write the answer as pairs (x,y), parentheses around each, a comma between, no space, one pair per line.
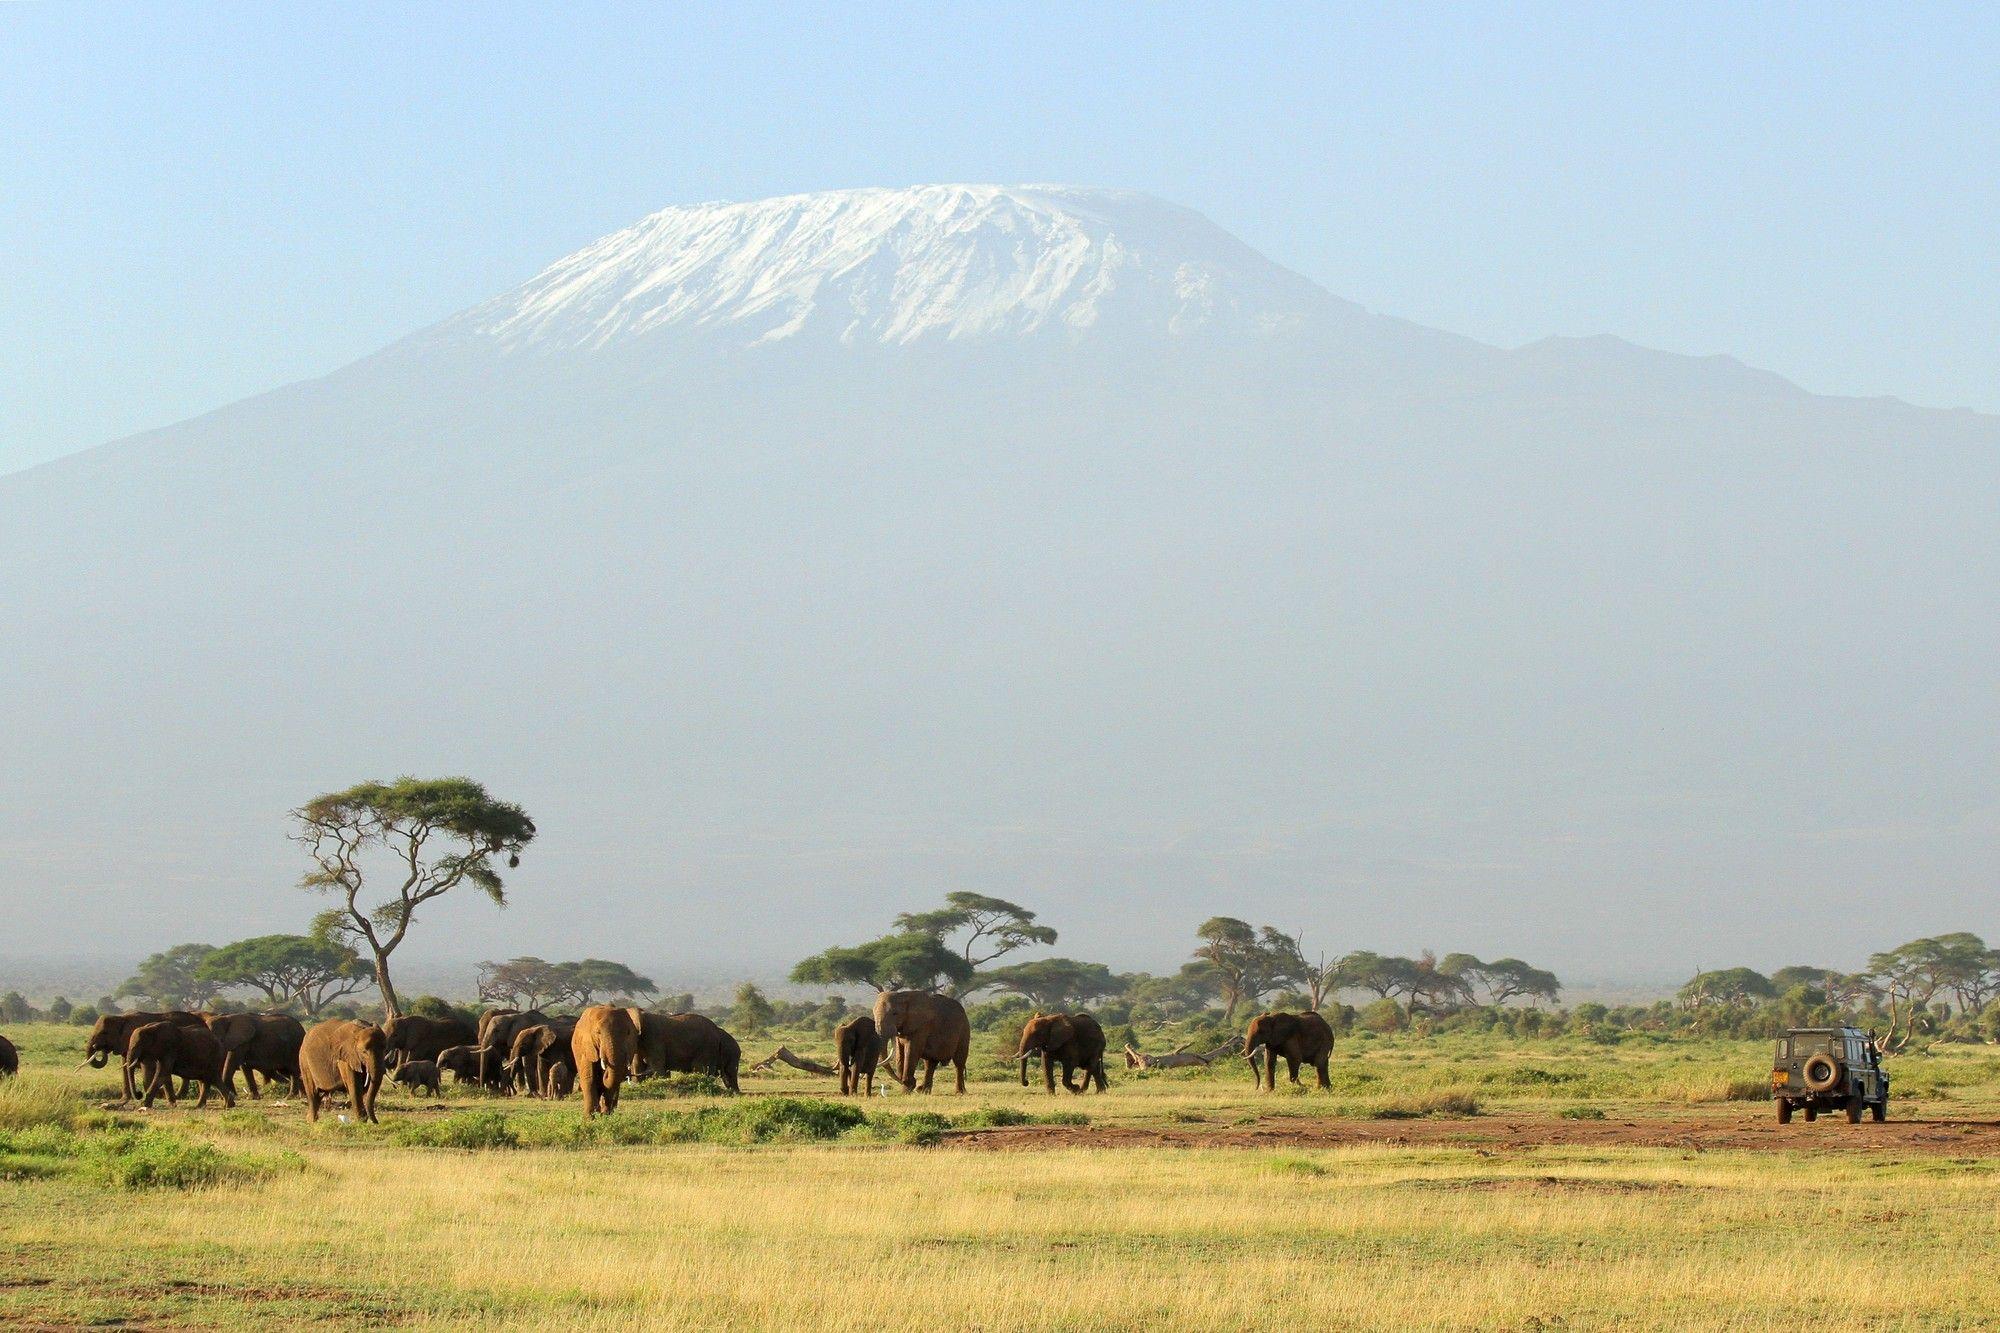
(10,1059)
(856,1053)
(415,1037)
(1300,1039)
(605,1043)
(685,1044)
(536,1050)
(112,1033)
(162,1052)
(497,1030)
(919,1025)
(1074,1041)
(342,1055)
(266,1044)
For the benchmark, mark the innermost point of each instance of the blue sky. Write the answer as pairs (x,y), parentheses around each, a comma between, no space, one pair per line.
(197,206)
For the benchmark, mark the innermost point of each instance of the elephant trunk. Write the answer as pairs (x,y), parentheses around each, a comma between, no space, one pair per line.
(371,1063)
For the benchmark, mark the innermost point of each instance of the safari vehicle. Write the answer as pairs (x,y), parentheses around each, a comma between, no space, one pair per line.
(1829,1069)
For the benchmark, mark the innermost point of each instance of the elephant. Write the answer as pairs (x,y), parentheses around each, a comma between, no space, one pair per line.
(605,1043)
(10,1059)
(536,1050)
(922,1026)
(857,1054)
(1299,1038)
(338,1055)
(1074,1041)
(111,1034)
(561,1077)
(461,1062)
(266,1044)
(685,1044)
(497,1028)
(419,1076)
(164,1051)
(415,1037)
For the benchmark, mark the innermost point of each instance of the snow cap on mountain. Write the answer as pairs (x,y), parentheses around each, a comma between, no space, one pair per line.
(902,266)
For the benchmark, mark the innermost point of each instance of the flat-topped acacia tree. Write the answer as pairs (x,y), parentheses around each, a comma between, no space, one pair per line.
(423,837)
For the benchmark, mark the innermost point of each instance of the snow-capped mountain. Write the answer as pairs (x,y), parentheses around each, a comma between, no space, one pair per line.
(792,561)
(903,266)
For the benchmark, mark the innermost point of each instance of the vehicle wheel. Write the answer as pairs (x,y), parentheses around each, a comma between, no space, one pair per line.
(1784,1112)
(1879,1112)
(1822,1073)
(1812,1114)
(1853,1110)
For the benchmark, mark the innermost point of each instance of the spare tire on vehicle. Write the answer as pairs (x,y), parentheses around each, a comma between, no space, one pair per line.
(1821,1072)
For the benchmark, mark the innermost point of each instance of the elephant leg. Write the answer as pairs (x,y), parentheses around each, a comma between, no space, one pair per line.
(958,1067)
(930,1072)
(352,1078)
(611,1086)
(593,1088)
(312,1101)
(250,1083)
(1103,1084)
(1049,1075)
(1292,1069)
(1325,1079)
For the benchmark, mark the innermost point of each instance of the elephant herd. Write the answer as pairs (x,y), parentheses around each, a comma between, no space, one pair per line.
(529,1052)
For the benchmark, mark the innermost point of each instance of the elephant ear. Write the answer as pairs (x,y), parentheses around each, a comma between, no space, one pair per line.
(1060,1030)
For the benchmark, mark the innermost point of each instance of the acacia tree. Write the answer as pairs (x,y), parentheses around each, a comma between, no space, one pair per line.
(1910,976)
(907,961)
(1504,978)
(522,983)
(993,927)
(1244,963)
(431,834)
(1054,983)
(585,980)
(312,970)
(172,978)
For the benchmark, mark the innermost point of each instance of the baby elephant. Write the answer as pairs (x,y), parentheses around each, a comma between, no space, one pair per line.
(420,1076)
(858,1050)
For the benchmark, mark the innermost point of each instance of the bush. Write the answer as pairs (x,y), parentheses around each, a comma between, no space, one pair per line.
(472,1130)
(1437,1104)
(151,1158)
(992,1117)
(1581,1113)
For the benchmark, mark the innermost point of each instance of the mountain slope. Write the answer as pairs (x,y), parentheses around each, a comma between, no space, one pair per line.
(794,562)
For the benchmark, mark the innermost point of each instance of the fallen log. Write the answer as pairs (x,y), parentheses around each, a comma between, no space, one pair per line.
(784,1055)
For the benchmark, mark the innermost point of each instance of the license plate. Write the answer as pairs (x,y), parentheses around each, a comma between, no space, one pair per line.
(1780,1076)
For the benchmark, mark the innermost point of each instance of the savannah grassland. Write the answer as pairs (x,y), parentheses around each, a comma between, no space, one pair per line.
(694,1211)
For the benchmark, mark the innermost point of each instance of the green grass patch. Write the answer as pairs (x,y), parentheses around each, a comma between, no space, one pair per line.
(1437,1105)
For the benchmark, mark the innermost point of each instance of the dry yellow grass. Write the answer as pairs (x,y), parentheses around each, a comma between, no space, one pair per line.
(888,1239)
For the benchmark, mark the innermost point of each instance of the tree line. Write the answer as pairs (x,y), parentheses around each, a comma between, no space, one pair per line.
(381,851)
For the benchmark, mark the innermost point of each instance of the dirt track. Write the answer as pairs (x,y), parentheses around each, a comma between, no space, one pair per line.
(1941,1138)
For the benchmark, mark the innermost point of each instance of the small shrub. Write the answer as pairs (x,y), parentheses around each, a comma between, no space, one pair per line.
(1282,1165)
(1581,1113)
(467,1130)
(1746,1090)
(1440,1105)
(921,1128)
(992,1117)
(150,1159)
